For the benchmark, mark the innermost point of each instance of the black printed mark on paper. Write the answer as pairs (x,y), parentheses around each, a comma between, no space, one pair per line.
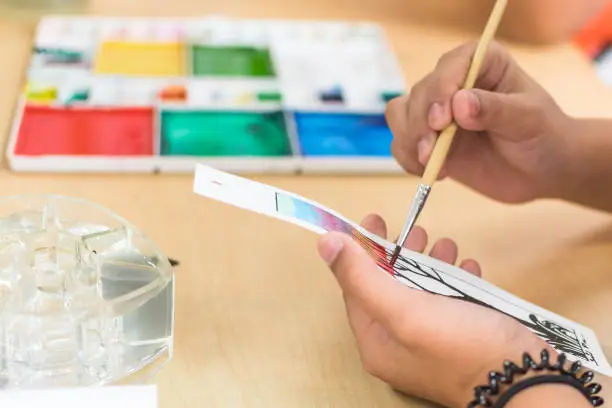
(561,338)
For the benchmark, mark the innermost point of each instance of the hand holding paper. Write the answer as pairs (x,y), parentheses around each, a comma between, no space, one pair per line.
(412,269)
(429,346)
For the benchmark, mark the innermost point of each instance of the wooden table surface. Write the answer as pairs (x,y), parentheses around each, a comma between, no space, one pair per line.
(259,319)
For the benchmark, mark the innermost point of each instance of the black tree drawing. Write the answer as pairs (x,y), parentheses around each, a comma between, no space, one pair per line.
(562,339)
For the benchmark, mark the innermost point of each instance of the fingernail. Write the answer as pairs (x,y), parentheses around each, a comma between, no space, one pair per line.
(329,248)
(436,114)
(473,103)
(424,147)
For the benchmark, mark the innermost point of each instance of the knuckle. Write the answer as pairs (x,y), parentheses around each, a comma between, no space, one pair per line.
(424,91)
(463,52)
(450,71)
(397,111)
(447,84)
(396,107)
(497,63)
(468,48)
(445,58)
(389,112)
(497,49)
(405,158)
(418,87)
(397,150)
(497,54)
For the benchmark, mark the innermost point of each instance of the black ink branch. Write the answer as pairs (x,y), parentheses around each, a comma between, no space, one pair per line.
(430,280)
(561,338)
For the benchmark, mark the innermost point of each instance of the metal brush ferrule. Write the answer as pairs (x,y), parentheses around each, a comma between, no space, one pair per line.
(418,202)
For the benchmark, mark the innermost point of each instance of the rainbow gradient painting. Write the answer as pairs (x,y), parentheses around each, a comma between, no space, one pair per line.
(304,211)
(412,269)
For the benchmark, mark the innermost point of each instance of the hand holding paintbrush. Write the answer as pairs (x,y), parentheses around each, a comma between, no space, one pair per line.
(445,139)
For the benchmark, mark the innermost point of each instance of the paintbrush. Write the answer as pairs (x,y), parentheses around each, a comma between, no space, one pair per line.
(444,140)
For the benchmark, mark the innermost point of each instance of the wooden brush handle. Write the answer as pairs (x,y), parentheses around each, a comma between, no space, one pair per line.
(438,155)
(445,139)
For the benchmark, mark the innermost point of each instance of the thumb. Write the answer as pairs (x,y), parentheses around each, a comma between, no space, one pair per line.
(479,110)
(377,293)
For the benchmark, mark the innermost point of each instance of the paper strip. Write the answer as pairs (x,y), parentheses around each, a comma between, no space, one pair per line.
(411,268)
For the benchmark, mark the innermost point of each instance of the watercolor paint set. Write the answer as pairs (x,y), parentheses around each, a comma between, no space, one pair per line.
(159,95)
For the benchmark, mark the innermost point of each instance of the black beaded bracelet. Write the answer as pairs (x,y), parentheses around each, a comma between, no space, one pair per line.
(558,375)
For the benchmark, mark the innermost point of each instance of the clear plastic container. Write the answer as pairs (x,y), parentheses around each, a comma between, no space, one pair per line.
(85,297)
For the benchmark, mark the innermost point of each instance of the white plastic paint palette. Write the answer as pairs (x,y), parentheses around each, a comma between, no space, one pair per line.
(158,95)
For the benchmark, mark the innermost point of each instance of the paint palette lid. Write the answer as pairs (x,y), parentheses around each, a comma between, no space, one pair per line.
(86,298)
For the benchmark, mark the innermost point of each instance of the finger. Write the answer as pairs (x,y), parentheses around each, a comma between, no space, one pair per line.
(375,224)
(431,107)
(449,76)
(453,66)
(416,240)
(471,266)
(425,146)
(403,145)
(445,250)
(378,294)
(466,108)
(440,115)
(424,151)
(479,110)
(444,82)
(421,100)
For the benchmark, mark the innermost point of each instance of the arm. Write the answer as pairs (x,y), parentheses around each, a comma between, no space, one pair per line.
(586,178)
(549,396)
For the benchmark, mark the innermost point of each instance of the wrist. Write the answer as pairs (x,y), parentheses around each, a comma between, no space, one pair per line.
(517,343)
(583,164)
(549,395)
(545,380)
(562,167)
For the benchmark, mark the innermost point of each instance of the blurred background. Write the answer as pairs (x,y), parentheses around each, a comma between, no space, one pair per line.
(235,333)
(587,23)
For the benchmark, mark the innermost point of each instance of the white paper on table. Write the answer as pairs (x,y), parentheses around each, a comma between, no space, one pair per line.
(129,396)
(411,268)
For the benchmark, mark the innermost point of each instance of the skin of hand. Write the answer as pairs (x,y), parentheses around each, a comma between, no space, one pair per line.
(549,396)
(424,345)
(512,137)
